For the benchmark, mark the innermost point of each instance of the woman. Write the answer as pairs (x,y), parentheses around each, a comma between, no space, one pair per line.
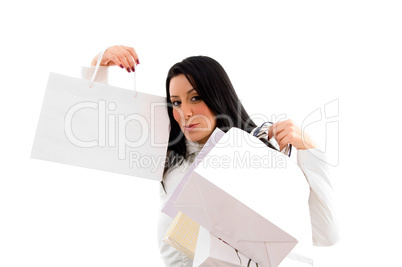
(200,97)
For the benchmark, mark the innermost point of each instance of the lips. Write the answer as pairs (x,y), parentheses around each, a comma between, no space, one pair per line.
(189,126)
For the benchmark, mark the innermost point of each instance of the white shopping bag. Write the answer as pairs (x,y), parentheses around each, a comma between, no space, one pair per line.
(212,251)
(102,127)
(169,208)
(243,191)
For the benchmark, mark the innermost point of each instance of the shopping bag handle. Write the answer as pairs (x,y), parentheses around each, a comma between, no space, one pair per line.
(256,132)
(91,83)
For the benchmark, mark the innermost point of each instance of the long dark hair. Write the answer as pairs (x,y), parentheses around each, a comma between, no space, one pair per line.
(213,85)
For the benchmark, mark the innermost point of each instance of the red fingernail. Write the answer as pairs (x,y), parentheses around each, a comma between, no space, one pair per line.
(138,61)
(128,69)
(133,69)
(121,66)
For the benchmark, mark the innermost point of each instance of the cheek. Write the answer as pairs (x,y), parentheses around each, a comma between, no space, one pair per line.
(176,116)
(205,111)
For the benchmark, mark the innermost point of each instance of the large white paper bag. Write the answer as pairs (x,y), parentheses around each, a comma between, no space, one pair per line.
(235,223)
(267,182)
(212,251)
(169,208)
(102,127)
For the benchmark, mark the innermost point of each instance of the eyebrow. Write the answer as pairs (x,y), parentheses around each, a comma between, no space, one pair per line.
(188,92)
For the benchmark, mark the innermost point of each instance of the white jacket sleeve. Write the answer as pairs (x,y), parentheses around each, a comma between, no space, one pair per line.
(101,76)
(315,167)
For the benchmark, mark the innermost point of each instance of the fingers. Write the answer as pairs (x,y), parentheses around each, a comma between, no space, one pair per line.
(110,59)
(125,59)
(133,53)
(288,132)
(271,131)
(283,132)
(284,138)
(275,129)
(122,56)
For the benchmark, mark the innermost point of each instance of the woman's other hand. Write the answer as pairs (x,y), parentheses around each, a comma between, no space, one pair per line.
(118,55)
(287,132)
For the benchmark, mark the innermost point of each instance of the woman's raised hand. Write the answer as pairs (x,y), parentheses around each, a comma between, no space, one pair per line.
(287,132)
(118,55)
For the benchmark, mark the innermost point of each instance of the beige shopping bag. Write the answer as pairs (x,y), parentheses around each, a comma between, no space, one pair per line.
(183,234)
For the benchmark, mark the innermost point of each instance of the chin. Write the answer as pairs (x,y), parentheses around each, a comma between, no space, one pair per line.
(194,138)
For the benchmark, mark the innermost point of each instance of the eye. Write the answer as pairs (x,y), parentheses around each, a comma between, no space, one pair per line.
(196,98)
(176,103)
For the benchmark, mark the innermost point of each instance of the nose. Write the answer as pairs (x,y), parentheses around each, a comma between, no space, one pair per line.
(187,112)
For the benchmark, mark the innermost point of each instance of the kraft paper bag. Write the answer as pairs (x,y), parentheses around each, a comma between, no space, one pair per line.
(98,126)
(243,192)
(212,251)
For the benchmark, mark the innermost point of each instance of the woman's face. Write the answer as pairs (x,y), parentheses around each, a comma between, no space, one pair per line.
(195,118)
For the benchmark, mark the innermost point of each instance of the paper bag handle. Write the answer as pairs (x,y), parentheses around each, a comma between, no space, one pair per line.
(256,132)
(91,83)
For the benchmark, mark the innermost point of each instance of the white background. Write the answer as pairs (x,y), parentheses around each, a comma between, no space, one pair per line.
(284,57)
